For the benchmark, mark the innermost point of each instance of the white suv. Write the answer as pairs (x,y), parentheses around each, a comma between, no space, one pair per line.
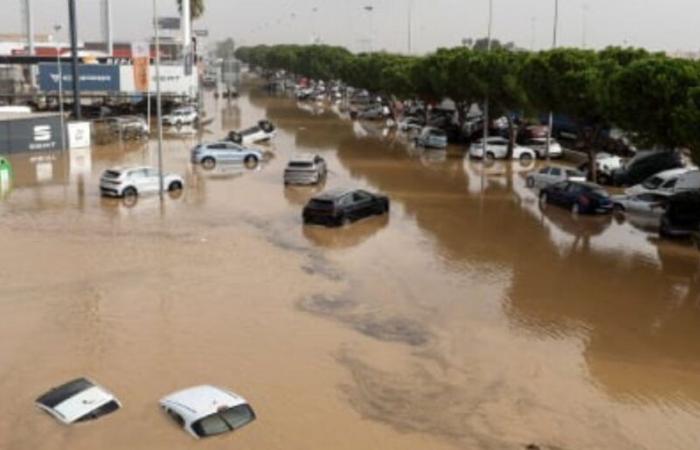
(181,116)
(497,148)
(126,182)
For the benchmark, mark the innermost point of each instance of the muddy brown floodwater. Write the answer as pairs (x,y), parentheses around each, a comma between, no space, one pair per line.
(470,318)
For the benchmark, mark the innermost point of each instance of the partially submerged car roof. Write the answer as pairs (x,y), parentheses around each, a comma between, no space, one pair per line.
(333,194)
(77,400)
(200,401)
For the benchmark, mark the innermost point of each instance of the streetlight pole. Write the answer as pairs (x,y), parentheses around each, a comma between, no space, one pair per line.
(410,26)
(486,101)
(554,45)
(59,67)
(159,111)
(369,10)
(74,53)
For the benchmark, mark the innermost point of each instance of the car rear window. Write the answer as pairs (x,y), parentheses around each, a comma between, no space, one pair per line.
(653,182)
(301,164)
(112,174)
(321,204)
(574,173)
(210,426)
(62,393)
(238,416)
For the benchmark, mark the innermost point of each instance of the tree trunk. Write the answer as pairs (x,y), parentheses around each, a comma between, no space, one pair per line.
(511,136)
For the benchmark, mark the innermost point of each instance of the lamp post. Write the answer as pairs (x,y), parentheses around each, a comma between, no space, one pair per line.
(369,9)
(59,67)
(486,101)
(159,111)
(554,45)
(410,27)
(74,53)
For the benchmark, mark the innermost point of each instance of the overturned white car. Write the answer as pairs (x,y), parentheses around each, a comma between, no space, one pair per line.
(205,411)
(79,400)
(263,131)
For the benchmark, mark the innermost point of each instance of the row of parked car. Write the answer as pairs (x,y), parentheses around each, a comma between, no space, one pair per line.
(202,411)
(671,197)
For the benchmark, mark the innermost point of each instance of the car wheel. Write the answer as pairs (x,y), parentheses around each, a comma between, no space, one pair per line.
(525,157)
(530,182)
(490,157)
(250,161)
(575,209)
(208,163)
(129,192)
(175,186)
(604,179)
(618,208)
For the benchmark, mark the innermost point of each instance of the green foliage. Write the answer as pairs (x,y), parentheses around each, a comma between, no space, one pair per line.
(651,95)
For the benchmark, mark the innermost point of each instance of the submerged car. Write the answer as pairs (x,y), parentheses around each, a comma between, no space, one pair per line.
(127,182)
(539,145)
(263,131)
(209,155)
(181,116)
(79,400)
(553,174)
(342,206)
(497,148)
(682,216)
(431,137)
(205,411)
(305,169)
(644,203)
(411,125)
(668,182)
(129,127)
(645,164)
(583,198)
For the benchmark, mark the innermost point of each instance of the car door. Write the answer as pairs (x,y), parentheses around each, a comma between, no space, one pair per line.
(139,180)
(557,194)
(363,204)
(151,180)
(556,175)
(234,152)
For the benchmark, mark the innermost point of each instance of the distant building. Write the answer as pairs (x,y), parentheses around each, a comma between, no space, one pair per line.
(685,54)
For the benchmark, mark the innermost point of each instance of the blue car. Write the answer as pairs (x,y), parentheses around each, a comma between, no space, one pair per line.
(580,198)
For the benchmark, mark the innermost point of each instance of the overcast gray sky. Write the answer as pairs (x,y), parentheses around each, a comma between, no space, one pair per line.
(654,24)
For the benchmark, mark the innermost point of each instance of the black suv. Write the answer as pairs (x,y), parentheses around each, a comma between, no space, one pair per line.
(644,165)
(682,216)
(342,206)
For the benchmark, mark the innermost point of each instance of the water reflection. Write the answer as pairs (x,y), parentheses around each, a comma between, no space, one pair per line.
(346,237)
(300,195)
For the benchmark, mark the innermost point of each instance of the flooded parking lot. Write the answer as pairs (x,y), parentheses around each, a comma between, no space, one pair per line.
(470,317)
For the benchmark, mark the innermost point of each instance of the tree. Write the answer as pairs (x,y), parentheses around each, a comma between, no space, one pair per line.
(196,8)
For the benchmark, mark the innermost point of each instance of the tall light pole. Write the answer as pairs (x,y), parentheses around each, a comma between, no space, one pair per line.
(59,67)
(369,9)
(554,45)
(74,53)
(159,111)
(410,27)
(486,101)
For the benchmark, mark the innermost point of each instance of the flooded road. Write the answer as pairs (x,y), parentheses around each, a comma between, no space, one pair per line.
(469,318)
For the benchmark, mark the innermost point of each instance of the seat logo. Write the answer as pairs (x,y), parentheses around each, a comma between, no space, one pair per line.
(42,133)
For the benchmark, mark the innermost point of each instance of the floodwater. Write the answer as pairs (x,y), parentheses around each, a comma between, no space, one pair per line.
(469,318)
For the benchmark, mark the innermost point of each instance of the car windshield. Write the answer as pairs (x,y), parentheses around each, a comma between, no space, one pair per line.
(224,421)
(112,174)
(103,410)
(653,182)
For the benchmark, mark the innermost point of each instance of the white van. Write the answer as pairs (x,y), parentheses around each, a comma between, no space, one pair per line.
(668,182)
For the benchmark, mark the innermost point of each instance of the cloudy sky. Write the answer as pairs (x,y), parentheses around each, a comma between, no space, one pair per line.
(655,24)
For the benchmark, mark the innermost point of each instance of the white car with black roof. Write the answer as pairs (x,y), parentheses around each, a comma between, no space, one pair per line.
(205,411)
(78,400)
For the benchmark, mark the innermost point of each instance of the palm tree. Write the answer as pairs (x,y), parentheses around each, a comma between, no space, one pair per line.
(196,8)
